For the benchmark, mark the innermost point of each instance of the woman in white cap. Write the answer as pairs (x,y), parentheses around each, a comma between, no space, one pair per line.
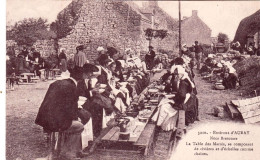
(185,50)
(185,99)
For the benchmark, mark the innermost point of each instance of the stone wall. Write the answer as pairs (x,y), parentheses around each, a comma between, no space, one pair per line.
(45,47)
(108,23)
(104,23)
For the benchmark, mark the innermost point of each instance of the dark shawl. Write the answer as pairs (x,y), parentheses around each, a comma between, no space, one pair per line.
(59,106)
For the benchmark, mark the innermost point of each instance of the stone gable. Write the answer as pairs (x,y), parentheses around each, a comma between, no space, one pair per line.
(110,23)
(193,28)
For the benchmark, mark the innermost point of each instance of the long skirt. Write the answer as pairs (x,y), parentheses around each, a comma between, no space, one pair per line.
(63,66)
(191,109)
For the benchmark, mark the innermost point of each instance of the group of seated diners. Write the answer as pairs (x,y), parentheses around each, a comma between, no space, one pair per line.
(102,91)
(179,86)
(221,71)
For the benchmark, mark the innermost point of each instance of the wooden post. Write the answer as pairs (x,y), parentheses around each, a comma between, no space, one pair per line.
(179,26)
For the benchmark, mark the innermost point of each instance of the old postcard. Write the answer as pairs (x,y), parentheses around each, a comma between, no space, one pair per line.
(130,80)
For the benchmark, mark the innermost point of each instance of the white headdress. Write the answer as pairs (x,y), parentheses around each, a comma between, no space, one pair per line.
(62,49)
(100,49)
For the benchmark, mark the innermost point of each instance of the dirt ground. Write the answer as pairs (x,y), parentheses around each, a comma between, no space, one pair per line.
(24,139)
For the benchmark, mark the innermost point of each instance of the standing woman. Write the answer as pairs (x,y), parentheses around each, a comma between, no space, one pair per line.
(63,61)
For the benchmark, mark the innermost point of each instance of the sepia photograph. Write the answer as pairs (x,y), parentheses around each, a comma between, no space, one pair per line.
(131,80)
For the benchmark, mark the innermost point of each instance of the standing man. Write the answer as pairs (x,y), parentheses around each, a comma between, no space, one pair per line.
(59,111)
(149,58)
(80,57)
(198,53)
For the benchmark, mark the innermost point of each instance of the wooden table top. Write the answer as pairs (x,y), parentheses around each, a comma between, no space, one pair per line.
(135,130)
(27,74)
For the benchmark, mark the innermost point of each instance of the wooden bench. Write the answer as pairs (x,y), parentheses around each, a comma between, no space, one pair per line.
(178,133)
(146,139)
(26,77)
(53,73)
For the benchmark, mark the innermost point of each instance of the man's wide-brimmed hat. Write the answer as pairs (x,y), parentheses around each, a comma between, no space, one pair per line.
(89,68)
(81,47)
(104,59)
(150,47)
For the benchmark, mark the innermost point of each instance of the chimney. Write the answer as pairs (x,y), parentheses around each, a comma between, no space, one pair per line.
(194,13)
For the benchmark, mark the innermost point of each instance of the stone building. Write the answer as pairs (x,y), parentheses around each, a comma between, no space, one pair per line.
(117,24)
(193,28)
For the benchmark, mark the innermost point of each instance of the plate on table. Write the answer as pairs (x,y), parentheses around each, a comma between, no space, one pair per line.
(153,90)
(142,119)
(103,85)
(154,101)
(169,95)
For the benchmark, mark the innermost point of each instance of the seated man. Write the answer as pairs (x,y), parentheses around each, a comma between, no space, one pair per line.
(59,110)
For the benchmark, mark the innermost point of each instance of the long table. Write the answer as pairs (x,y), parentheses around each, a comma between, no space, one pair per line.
(141,136)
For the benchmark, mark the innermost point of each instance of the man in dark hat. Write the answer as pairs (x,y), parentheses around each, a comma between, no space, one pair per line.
(59,110)
(149,58)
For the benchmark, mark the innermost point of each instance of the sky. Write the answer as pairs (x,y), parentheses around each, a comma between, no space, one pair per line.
(220,16)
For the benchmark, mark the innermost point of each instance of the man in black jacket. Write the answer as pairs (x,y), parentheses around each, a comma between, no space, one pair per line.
(59,110)
(149,58)
(198,53)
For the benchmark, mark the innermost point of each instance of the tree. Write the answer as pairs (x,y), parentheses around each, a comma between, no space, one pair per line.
(222,37)
(153,33)
(28,31)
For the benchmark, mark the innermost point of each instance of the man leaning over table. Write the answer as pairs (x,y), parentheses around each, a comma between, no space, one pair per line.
(59,111)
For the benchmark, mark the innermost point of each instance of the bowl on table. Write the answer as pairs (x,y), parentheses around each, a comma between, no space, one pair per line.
(124,135)
(142,119)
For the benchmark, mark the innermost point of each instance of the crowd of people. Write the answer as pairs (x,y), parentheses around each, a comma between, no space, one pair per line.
(98,91)
(250,49)
(178,83)
(221,71)
(28,60)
